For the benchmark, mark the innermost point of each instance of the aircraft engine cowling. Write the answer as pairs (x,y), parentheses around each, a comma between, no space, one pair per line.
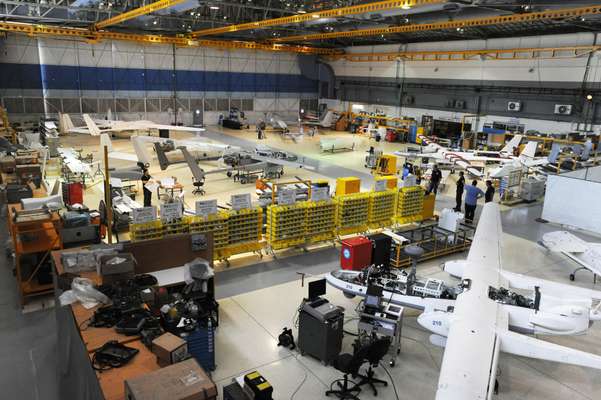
(561,320)
(455,268)
(437,322)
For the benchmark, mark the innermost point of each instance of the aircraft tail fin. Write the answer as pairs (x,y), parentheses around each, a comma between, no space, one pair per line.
(526,346)
(326,122)
(530,150)
(109,115)
(512,144)
(92,127)
(105,140)
(140,150)
(65,124)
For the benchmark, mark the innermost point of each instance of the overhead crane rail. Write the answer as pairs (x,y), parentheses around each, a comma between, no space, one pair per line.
(467,55)
(336,12)
(137,12)
(182,41)
(561,14)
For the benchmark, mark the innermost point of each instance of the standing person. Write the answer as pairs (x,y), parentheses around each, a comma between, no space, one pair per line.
(147,193)
(490,192)
(472,194)
(459,193)
(435,179)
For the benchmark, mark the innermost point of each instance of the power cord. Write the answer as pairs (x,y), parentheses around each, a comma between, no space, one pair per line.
(391,381)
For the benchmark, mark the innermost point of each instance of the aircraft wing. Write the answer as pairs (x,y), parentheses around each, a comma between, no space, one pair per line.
(151,125)
(75,165)
(119,155)
(479,326)
(583,253)
(284,163)
(81,130)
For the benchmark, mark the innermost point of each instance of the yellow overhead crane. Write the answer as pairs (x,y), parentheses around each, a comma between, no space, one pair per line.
(336,12)
(183,41)
(565,13)
(467,55)
(137,12)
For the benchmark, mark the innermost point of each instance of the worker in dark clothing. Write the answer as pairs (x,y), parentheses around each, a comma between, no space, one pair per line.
(435,179)
(147,193)
(490,192)
(459,193)
(472,194)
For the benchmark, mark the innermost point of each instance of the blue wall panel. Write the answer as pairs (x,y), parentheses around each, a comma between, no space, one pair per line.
(32,76)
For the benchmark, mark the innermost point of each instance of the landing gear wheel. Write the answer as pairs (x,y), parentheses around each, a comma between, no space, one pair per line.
(243,180)
(229,174)
(572,277)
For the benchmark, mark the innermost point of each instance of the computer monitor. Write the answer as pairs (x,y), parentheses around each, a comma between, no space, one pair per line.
(317,288)
(373,296)
(372,301)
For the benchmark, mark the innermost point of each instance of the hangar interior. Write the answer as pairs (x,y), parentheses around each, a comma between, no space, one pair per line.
(282,199)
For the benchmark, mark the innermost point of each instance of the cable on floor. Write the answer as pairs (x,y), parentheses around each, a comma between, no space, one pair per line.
(391,381)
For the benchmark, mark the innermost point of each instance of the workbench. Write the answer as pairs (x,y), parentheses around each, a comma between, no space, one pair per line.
(77,342)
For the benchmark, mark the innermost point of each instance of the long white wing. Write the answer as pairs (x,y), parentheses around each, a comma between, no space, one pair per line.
(486,245)
(584,253)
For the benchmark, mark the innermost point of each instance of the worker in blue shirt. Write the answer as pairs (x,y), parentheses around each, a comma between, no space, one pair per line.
(472,194)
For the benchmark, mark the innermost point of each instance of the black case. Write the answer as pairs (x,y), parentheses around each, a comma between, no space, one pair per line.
(381,246)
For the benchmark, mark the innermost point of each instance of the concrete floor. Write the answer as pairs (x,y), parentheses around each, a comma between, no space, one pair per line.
(256,302)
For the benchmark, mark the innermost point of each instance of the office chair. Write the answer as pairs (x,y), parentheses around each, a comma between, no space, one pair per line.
(349,364)
(198,187)
(377,350)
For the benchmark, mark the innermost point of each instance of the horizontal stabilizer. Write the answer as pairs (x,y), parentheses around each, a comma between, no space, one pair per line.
(527,346)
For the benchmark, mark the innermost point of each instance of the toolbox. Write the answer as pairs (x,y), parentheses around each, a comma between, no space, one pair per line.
(356,253)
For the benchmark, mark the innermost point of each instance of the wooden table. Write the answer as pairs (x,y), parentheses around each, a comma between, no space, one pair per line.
(112,382)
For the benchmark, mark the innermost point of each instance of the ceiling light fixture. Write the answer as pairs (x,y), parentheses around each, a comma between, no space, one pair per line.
(301,12)
(406,6)
(214,7)
(315,15)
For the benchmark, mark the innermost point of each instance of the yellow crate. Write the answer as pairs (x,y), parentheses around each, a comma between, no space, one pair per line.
(410,202)
(217,224)
(321,221)
(146,231)
(381,208)
(428,208)
(348,185)
(352,213)
(286,225)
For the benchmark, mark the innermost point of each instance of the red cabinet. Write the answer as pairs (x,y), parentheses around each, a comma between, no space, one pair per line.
(356,253)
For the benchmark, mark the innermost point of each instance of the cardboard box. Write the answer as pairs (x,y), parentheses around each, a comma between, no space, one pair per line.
(108,264)
(182,381)
(170,349)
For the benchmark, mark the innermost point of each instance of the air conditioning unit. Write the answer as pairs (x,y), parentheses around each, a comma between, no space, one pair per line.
(450,103)
(514,106)
(408,99)
(563,109)
(460,104)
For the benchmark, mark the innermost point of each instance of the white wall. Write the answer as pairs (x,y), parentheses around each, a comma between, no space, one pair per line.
(551,70)
(573,202)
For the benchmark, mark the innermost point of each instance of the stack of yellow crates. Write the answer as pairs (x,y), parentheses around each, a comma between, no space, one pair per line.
(146,231)
(410,203)
(177,227)
(244,230)
(286,225)
(348,185)
(381,208)
(217,224)
(321,221)
(352,213)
